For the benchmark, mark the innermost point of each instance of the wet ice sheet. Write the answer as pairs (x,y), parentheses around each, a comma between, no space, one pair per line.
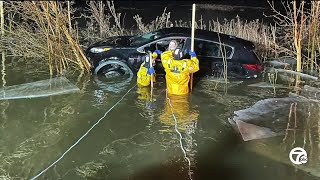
(310,92)
(271,115)
(43,88)
(276,63)
(250,131)
(268,85)
(217,83)
(295,117)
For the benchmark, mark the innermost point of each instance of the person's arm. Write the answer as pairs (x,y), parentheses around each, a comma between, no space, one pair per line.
(154,55)
(194,62)
(165,57)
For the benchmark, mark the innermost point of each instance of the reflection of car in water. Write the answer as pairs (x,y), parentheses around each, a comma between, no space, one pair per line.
(122,55)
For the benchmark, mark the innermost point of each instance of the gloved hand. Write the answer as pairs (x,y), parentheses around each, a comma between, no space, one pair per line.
(192,53)
(151,70)
(146,61)
(158,52)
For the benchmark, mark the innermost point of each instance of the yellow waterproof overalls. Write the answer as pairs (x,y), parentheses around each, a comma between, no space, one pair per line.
(143,78)
(178,72)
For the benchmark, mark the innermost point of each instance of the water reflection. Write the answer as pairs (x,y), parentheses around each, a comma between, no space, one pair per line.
(180,121)
(116,84)
(34,132)
(185,123)
(179,106)
(303,131)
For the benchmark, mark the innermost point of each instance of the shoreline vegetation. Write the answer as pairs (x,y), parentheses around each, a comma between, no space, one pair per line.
(48,32)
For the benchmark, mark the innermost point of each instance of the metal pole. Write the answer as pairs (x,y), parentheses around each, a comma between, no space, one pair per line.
(192,38)
(150,59)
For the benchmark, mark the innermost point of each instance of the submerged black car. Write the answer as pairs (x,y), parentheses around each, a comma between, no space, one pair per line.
(122,55)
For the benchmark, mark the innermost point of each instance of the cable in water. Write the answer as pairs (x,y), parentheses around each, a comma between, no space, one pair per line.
(180,136)
(84,135)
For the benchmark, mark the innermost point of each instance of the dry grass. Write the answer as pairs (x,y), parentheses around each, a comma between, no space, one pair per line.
(102,22)
(299,27)
(262,35)
(41,30)
(160,22)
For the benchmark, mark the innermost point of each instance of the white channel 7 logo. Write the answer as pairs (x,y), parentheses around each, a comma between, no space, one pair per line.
(300,154)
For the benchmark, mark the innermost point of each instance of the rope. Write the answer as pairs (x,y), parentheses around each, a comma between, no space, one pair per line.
(180,136)
(77,142)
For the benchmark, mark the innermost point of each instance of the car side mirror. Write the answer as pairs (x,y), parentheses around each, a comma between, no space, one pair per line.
(140,50)
(143,49)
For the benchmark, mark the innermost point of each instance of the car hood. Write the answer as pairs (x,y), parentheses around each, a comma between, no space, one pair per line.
(116,41)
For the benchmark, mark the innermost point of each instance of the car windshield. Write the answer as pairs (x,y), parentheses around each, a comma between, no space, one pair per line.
(145,38)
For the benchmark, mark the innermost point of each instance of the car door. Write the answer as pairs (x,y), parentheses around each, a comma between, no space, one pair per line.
(201,51)
(162,45)
(209,53)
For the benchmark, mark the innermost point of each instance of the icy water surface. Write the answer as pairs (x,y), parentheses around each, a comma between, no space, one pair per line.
(137,139)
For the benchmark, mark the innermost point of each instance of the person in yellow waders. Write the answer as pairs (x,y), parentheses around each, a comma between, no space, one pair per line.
(145,71)
(144,79)
(178,70)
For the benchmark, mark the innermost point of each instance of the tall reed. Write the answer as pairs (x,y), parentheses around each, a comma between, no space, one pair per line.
(299,32)
(159,23)
(42,29)
(101,22)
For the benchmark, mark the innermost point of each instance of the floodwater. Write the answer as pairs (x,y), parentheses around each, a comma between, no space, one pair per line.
(139,138)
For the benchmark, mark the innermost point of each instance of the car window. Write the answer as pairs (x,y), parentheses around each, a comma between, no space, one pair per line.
(145,38)
(162,44)
(212,49)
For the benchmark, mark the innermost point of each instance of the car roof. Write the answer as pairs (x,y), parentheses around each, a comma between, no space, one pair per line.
(205,34)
